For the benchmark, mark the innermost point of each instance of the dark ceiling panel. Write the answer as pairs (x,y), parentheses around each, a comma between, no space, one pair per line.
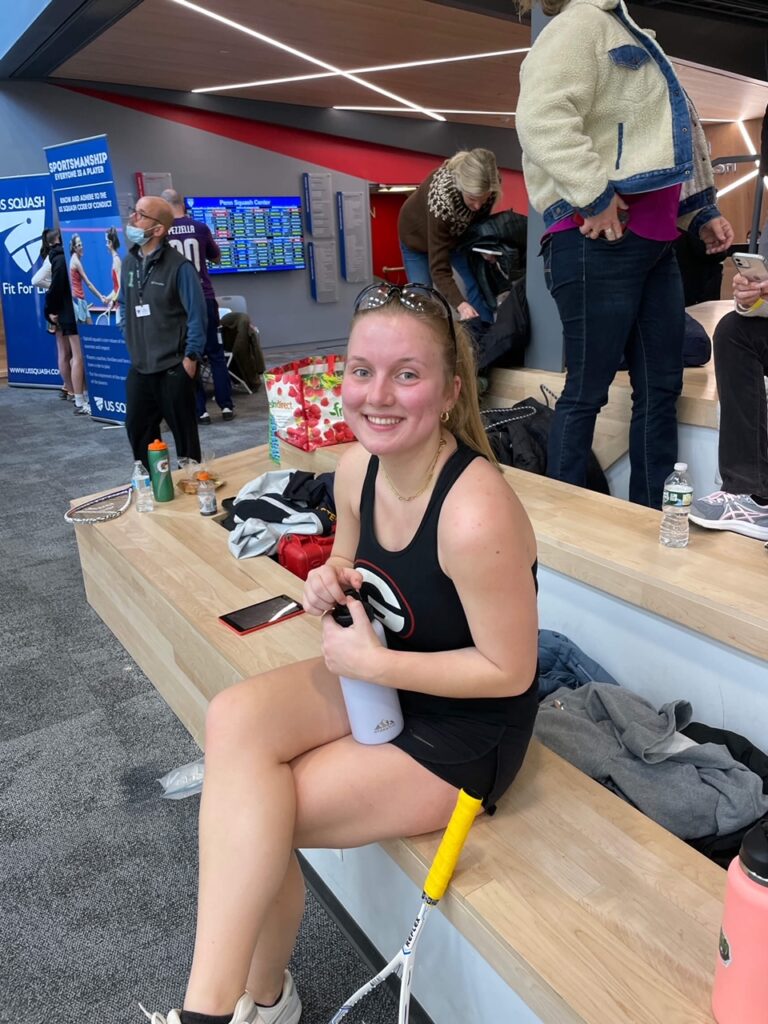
(64,27)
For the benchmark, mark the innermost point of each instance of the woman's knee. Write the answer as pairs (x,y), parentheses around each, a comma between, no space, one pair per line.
(233,714)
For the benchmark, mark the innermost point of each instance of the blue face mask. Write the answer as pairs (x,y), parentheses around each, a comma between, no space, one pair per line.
(135,235)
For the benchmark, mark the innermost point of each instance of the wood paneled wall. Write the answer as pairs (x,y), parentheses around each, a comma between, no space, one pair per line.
(727,140)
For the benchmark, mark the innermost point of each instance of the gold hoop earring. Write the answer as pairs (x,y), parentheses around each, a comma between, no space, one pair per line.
(445,415)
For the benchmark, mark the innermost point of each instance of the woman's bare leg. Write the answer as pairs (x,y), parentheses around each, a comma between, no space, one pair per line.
(347,795)
(247,817)
(64,359)
(77,368)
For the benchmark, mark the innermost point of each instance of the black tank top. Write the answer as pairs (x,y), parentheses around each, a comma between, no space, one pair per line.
(417,604)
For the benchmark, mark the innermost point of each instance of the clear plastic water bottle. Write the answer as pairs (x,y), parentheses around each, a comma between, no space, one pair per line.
(142,485)
(676,504)
(206,494)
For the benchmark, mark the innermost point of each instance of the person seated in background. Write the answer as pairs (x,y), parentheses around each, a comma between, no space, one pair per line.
(741,366)
(430,529)
(434,219)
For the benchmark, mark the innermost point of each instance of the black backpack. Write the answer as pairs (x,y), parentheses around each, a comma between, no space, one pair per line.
(519,434)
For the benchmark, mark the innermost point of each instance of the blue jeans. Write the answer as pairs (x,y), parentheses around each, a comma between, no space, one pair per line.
(417,272)
(214,353)
(617,299)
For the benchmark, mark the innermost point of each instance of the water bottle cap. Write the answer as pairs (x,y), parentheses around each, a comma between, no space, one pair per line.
(342,614)
(680,467)
(157,446)
(754,849)
(203,476)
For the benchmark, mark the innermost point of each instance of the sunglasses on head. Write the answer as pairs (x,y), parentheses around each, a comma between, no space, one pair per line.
(416,298)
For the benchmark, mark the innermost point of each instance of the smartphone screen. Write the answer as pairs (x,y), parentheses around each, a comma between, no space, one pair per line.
(265,613)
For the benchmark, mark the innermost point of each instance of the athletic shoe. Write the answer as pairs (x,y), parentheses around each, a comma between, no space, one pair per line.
(245,1013)
(287,1010)
(82,410)
(227,413)
(65,395)
(205,418)
(738,513)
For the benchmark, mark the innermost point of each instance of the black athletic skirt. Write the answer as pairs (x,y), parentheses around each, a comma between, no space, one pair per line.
(481,757)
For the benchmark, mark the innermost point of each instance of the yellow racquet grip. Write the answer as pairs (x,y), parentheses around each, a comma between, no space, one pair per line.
(448,852)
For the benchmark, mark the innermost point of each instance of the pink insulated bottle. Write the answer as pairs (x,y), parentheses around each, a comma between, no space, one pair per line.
(740,993)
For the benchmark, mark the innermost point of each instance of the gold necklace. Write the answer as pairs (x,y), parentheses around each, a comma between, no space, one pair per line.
(425,485)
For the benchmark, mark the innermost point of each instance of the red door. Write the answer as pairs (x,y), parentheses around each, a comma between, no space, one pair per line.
(385,248)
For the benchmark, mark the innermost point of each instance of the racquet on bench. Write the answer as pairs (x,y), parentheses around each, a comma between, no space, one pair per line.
(99,510)
(440,873)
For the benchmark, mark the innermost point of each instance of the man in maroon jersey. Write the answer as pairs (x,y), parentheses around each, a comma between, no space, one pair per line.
(194,240)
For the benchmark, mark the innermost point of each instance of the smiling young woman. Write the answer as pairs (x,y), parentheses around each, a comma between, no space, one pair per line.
(442,551)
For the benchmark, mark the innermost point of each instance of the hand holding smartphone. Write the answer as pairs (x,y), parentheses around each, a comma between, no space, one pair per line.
(751,265)
(262,614)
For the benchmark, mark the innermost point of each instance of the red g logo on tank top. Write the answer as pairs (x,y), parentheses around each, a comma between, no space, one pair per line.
(386,599)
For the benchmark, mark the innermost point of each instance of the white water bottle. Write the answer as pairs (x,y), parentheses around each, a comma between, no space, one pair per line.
(142,486)
(676,504)
(373,710)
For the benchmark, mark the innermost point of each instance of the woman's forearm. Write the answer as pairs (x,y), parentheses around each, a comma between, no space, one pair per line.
(460,674)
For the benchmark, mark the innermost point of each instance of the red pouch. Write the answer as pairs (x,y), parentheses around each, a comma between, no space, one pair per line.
(299,552)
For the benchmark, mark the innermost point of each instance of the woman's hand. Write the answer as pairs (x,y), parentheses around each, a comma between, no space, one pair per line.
(353,651)
(324,587)
(606,222)
(747,292)
(466,311)
(717,235)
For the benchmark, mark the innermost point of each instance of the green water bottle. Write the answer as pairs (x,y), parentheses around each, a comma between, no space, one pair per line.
(160,471)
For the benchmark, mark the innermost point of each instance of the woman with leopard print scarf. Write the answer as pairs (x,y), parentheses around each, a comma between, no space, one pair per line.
(434,218)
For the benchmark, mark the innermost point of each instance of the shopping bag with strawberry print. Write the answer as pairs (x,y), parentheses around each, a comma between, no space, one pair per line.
(305,404)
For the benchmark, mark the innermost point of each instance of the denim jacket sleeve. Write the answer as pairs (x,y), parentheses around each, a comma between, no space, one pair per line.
(698,196)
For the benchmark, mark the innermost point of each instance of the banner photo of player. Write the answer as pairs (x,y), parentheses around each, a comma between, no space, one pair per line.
(92,235)
(26,209)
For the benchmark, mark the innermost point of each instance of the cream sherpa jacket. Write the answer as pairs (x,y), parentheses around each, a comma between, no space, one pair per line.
(601,111)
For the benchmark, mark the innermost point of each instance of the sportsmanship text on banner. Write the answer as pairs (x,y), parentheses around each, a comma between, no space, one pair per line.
(92,234)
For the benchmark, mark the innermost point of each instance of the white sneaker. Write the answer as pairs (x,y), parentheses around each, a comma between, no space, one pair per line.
(287,1011)
(245,1013)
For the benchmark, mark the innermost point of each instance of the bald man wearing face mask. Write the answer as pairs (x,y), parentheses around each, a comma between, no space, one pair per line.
(164,323)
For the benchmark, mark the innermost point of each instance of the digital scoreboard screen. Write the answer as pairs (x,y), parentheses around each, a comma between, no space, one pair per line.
(254,233)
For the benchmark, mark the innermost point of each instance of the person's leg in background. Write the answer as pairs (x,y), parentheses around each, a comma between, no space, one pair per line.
(475,297)
(741,364)
(77,368)
(64,362)
(178,408)
(142,412)
(597,288)
(654,357)
(416,266)
(214,353)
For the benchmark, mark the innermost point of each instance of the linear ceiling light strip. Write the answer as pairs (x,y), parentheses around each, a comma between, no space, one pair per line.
(737,184)
(438,110)
(747,141)
(305,56)
(364,71)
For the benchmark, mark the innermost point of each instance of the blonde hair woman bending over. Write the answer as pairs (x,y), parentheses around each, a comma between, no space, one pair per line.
(435,217)
(431,533)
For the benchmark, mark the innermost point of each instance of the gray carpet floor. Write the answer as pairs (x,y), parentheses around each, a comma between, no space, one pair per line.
(97,873)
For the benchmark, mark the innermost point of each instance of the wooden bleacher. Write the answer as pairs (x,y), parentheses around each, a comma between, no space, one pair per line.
(697,404)
(586,908)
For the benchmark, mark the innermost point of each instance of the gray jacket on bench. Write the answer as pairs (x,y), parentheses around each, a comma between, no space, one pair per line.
(619,739)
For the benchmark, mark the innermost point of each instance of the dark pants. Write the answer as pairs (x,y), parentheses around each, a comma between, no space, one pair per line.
(741,364)
(152,397)
(214,353)
(617,299)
